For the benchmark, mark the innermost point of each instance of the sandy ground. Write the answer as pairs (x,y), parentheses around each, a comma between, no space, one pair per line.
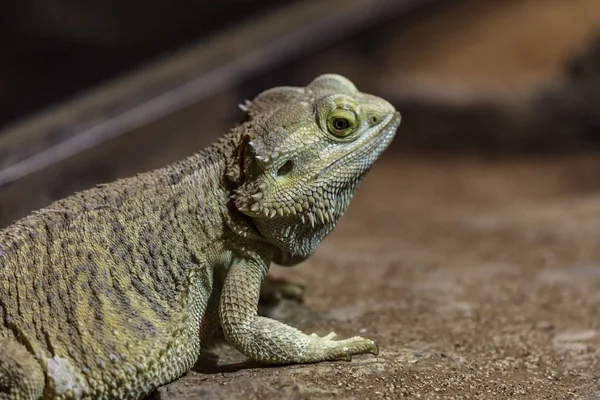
(478,280)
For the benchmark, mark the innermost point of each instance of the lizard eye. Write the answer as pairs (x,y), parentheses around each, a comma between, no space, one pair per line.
(341,122)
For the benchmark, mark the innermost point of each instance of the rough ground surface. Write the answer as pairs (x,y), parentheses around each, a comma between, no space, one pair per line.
(479,280)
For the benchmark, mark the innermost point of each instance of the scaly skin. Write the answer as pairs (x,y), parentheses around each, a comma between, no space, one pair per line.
(112,292)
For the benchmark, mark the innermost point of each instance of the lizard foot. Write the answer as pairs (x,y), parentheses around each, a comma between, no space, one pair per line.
(344,349)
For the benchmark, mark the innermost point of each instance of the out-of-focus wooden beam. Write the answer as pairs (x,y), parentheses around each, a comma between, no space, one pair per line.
(215,64)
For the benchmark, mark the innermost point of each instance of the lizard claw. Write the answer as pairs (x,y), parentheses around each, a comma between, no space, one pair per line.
(348,356)
(375,348)
(344,348)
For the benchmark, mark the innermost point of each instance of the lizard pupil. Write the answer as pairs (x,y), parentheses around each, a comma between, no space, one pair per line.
(341,124)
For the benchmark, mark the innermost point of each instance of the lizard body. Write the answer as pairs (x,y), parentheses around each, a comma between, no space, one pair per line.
(112,292)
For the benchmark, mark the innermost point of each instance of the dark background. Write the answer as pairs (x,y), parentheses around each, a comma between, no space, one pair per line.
(53,50)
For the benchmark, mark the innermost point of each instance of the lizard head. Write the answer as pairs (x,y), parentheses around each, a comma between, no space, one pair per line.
(305,151)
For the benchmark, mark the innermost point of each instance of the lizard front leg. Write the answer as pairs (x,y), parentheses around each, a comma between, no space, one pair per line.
(266,340)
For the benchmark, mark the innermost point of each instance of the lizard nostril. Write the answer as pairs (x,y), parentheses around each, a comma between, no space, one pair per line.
(374,119)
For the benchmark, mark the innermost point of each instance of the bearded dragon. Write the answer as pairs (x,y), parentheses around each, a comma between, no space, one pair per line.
(113,291)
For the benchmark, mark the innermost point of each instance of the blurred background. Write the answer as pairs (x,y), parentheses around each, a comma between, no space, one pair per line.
(484,211)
